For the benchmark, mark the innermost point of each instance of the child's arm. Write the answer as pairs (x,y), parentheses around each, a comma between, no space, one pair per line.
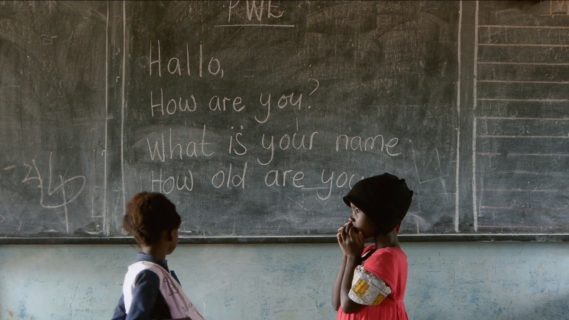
(120,312)
(144,295)
(340,236)
(352,245)
(349,306)
(337,284)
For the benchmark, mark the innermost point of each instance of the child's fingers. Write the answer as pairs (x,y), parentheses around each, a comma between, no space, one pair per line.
(340,237)
(349,228)
(356,235)
(342,231)
(352,233)
(344,226)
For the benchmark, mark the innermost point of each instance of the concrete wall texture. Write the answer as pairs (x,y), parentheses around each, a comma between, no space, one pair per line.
(474,280)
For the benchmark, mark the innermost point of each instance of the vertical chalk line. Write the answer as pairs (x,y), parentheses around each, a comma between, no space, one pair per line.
(106,228)
(458,84)
(475,74)
(123,101)
(474,185)
(474,99)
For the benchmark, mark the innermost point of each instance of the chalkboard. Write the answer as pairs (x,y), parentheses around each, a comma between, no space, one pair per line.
(521,118)
(256,117)
(53,118)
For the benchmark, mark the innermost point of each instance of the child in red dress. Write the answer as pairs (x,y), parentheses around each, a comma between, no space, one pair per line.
(371,281)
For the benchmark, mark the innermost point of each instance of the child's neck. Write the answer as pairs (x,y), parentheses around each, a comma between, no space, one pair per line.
(387,240)
(158,252)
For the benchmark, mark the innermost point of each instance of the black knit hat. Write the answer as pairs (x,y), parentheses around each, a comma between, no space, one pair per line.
(384,198)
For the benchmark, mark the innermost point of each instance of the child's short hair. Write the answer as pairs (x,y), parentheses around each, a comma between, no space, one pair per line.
(148,215)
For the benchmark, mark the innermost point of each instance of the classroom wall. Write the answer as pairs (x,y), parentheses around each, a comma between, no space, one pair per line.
(290,281)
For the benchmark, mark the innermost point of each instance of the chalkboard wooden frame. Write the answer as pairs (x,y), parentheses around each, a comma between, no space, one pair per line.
(561,237)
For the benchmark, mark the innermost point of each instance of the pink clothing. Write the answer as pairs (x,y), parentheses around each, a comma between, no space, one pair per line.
(390,265)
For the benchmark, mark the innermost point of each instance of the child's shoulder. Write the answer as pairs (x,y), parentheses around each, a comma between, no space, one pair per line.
(386,250)
(368,248)
(395,253)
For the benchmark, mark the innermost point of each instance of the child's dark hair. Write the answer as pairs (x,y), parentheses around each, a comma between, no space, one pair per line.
(384,198)
(148,215)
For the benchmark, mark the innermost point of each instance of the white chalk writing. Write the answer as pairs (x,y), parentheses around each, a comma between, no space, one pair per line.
(162,150)
(259,10)
(373,143)
(182,67)
(167,184)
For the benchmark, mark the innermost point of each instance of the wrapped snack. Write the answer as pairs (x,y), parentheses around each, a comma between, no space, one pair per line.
(367,289)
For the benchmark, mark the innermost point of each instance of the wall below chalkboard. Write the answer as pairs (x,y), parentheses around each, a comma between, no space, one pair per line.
(468,281)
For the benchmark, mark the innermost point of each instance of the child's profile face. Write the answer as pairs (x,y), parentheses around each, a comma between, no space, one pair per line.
(362,222)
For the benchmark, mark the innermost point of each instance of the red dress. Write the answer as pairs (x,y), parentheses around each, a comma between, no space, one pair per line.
(390,265)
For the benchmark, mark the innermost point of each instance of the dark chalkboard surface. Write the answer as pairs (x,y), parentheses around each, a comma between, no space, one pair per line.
(52,117)
(255,117)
